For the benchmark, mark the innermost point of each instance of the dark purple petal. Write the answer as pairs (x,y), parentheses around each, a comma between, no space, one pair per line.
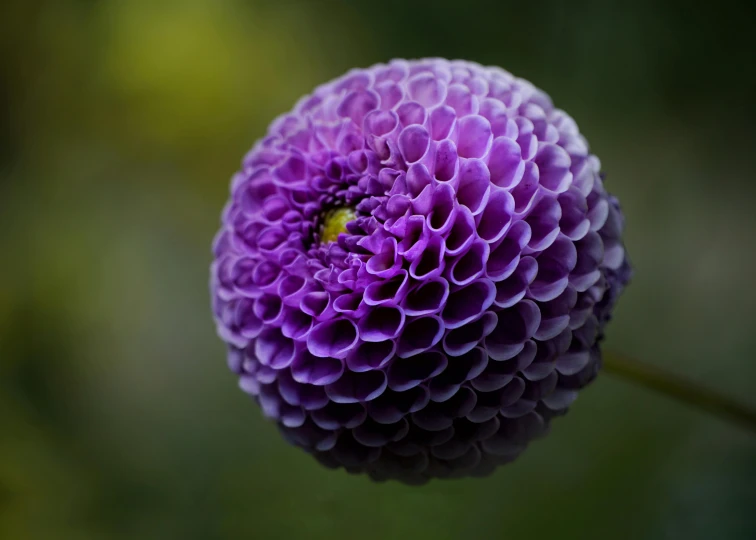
(574,222)
(469,266)
(274,349)
(339,415)
(463,339)
(332,338)
(386,263)
(430,263)
(406,373)
(426,297)
(419,335)
(443,210)
(474,186)
(526,191)
(514,327)
(310,369)
(544,223)
(437,416)
(554,267)
(554,167)
(505,254)
(296,324)
(369,356)
(590,254)
(467,303)
(497,216)
(390,291)
(269,309)
(381,323)
(513,289)
(462,232)
(377,435)
(459,370)
(357,387)
(392,405)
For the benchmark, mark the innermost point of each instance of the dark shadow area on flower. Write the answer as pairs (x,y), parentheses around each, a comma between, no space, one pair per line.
(444,428)
(413,455)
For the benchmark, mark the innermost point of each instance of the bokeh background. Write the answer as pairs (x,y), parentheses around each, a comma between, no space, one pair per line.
(121,123)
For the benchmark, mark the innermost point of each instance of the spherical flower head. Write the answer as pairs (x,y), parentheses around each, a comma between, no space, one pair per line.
(415,268)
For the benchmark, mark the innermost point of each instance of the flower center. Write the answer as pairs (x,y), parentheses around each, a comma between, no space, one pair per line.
(335,223)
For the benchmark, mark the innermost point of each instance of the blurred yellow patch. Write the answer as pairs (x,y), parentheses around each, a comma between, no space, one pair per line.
(188,72)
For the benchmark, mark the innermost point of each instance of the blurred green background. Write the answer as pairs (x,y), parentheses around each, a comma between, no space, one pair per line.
(121,123)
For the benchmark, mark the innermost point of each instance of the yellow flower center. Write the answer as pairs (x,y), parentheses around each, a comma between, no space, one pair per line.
(335,223)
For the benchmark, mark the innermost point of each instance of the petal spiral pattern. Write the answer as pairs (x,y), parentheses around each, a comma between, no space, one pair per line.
(458,304)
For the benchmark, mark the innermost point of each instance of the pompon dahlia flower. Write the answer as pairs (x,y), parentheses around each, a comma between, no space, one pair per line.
(415,268)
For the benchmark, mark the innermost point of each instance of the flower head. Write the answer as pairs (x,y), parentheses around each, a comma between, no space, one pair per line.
(415,268)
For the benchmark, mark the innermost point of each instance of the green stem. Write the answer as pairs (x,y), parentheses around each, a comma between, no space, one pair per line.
(667,383)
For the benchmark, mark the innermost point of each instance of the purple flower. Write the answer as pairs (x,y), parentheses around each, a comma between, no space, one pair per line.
(415,268)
